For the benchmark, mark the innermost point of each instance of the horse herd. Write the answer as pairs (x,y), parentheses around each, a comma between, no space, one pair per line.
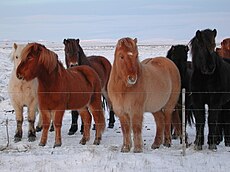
(129,88)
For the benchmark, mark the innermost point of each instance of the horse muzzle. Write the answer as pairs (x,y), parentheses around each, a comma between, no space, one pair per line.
(131,79)
(19,76)
(73,64)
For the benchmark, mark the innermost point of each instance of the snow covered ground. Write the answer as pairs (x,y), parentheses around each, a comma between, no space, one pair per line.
(71,156)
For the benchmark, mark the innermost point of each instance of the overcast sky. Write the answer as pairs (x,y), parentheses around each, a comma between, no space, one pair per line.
(55,20)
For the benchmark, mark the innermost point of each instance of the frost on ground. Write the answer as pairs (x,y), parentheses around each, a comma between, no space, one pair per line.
(71,156)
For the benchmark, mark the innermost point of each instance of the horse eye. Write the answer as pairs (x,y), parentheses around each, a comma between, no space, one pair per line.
(122,57)
(16,57)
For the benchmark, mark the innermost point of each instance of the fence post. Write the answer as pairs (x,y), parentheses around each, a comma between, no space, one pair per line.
(183,122)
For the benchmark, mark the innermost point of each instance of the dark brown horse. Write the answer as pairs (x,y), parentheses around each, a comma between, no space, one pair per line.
(75,56)
(135,87)
(77,88)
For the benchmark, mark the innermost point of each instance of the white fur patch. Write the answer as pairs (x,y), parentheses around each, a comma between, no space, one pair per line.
(130,53)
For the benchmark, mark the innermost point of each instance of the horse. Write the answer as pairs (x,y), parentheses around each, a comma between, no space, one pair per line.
(209,85)
(60,89)
(75,56)
(179,55)
(22,93)
(224,51)
(135,87)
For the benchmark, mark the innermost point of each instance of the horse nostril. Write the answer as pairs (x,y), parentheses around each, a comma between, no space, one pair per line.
(132,79)
(73,64)
(19,76)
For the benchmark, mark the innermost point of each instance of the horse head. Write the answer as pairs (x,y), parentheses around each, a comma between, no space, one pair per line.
(225,44)
(179,55)
(126,60)
(203,48)
(73,52)
(15,55)
(34,57)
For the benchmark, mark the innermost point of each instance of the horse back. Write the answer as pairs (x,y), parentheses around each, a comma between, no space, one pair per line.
(102,67)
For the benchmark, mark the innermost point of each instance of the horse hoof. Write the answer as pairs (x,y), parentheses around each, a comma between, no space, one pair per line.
(83,141)
(38,129)
(57,145)
(42,144)
(212,147)
(73,129)
(111,125)
(154,146)
(96,142)
(168,145)
(17,139)
(94,127)
(51,128)
(31,138)
(125,149)
(138,150)
(198,147)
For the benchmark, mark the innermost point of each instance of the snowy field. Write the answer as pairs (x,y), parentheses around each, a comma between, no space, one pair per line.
(71,156)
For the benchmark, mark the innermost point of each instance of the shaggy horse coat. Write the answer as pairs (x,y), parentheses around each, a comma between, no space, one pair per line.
(210,85)
(134,88)
(22,93)
(77,88)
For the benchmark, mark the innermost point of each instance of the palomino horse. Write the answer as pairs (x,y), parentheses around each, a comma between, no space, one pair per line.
(76,88)
(209,85)
(179,55)
(134,88)
(224,51)
(74,55)
(22,93)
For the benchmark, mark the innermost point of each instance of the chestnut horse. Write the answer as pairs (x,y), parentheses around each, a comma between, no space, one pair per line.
(74,56)
(76,88)
(134,88)
(22,93)
(224,51)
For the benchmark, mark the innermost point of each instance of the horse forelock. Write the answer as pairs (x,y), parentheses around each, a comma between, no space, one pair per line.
(126,42)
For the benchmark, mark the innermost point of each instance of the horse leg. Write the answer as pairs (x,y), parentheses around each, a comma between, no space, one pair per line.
(99,118)
(19,119)
(46,118)
(159,119)
(74,125)
(126,130)
(58,117)
(168,120)
(137,120)
(200,122)
(31,120)
(176,123)
(111,119)
(86,118)
(39,125)
(212,126)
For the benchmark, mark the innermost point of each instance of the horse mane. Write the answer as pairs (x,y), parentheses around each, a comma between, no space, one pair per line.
(46,57)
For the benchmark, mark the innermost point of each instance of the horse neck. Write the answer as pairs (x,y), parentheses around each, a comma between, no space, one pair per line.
(49,79)
(83,59)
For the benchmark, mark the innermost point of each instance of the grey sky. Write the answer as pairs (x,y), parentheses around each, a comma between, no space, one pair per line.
(55,20)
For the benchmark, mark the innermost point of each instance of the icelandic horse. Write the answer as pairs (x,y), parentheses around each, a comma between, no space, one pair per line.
(135,87)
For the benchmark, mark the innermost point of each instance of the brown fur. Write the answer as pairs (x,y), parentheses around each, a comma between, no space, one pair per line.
(77,88)
(224,51)
(134,88)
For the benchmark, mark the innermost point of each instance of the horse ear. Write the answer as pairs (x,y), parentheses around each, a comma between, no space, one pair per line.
(215,32)
(78,41)
(15,46)
(36,49)
(135,40)
(198,34)
(64,41)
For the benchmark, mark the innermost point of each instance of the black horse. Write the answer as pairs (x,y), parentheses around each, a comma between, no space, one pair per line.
(74,55)
(210,85)
(179,55)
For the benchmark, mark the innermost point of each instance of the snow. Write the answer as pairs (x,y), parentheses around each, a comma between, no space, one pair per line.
(71,156)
